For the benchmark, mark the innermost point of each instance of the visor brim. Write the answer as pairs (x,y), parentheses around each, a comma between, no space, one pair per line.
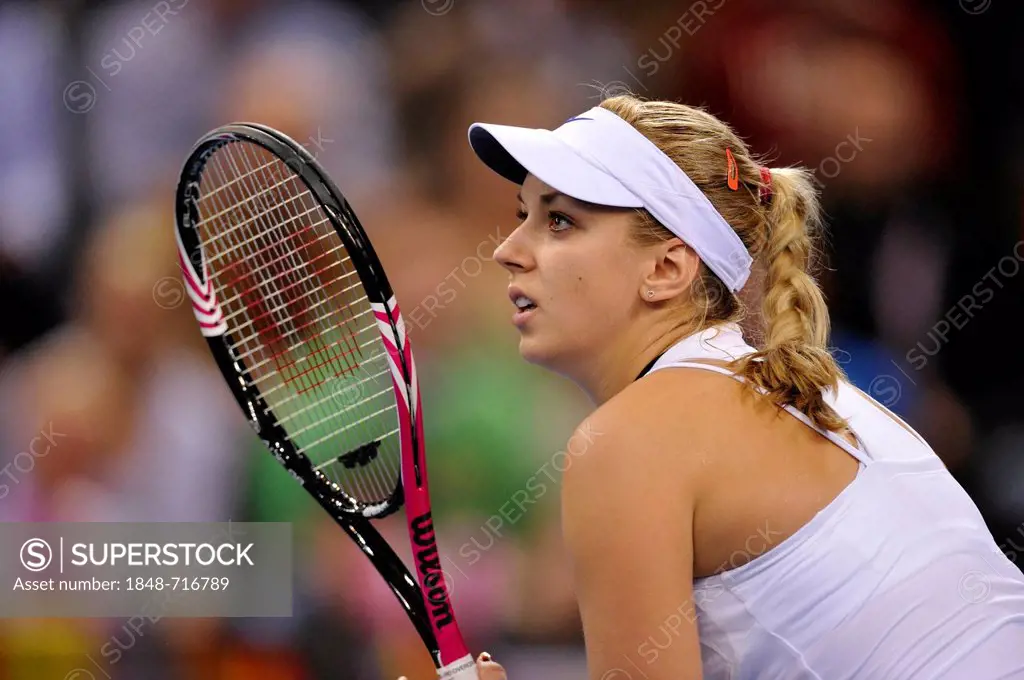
(515,152)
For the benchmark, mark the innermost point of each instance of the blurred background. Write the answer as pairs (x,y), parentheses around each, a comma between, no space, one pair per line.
(111,410)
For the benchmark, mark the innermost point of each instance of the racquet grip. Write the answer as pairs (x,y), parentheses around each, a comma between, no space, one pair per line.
(461,669)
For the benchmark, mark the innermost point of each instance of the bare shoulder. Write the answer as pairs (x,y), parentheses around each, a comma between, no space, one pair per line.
(671,419)
(663,442)
(651,443)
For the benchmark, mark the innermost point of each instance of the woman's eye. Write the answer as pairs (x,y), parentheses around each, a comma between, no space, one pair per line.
(521,215)
(559,222)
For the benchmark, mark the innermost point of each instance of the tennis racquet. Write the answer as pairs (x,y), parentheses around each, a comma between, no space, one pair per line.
(302,322)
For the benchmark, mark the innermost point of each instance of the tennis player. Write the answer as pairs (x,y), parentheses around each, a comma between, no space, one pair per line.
(734,508)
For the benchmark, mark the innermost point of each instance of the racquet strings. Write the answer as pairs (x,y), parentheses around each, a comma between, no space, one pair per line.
(299,319)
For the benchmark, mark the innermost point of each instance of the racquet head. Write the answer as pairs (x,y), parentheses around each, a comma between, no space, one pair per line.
(303,324)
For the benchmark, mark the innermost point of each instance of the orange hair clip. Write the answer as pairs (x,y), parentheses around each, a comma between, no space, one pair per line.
(732,170)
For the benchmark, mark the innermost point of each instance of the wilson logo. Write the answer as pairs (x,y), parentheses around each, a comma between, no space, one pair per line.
(429,565)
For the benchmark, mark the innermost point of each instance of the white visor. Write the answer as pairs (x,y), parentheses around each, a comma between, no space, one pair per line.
(599,158)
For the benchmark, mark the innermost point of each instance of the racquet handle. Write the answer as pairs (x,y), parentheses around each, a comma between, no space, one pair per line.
(461,669)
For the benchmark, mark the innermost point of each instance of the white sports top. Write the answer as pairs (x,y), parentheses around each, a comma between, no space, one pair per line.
(897,578)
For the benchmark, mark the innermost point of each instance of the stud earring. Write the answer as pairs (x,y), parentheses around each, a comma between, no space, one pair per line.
(650,293)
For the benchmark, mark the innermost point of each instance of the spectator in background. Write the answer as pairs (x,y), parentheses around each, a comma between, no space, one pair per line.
(213,62)
(34,190)
(142,428)
(185,439)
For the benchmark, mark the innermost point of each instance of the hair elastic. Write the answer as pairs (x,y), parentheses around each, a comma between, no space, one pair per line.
(764,193)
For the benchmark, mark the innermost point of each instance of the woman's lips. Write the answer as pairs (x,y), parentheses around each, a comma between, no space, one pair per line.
(522,316)
(523,311)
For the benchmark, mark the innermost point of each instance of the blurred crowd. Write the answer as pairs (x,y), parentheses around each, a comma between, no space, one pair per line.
(111,410)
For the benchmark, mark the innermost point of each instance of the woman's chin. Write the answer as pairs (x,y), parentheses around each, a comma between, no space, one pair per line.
(536,352)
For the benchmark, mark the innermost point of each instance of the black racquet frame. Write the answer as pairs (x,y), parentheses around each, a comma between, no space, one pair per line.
(378,290)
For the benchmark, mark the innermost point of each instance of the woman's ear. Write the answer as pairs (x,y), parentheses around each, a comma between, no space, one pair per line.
(672,272)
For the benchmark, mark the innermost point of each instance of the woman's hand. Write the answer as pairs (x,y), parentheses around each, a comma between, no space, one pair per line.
(485,668)
(489,670)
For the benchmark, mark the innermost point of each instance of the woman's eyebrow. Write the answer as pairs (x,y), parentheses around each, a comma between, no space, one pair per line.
(549,197)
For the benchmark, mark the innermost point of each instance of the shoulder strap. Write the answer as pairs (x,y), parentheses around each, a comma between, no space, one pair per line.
(859,452)
(879,433)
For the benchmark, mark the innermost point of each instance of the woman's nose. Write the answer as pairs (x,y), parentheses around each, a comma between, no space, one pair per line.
(512,253)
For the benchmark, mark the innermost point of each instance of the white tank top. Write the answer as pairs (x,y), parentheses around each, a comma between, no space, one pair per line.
(897,578)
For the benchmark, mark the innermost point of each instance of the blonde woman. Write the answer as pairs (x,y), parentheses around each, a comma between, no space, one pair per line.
(744,512)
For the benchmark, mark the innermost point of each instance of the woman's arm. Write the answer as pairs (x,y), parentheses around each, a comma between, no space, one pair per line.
(627,513)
